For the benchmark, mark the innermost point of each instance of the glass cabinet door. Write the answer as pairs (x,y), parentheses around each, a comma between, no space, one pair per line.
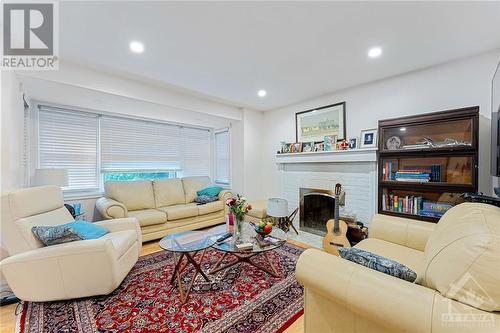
(419,203)
(438,135)
(455,169)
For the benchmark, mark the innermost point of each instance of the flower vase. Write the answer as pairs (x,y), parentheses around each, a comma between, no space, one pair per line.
(238,224)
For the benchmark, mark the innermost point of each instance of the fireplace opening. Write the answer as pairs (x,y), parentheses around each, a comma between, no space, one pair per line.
(316,208)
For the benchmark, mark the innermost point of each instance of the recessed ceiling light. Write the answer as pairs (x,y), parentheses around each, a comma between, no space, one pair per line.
(136,47)
(375,52)
(262,93)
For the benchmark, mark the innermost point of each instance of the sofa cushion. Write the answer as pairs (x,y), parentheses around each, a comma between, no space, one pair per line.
(87,230)
(121,240)
(402,254)
(462,256)
(203,199)
(55,234)
(211,191)
(192,185)
(148,216)
(168,192)
(134,195)
(210,207)
(177,212)
(378,263)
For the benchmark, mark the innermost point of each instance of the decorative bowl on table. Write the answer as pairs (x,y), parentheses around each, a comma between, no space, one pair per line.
(263,228)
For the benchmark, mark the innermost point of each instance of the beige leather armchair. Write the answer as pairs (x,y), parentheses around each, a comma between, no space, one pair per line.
(457,289)
(65,271)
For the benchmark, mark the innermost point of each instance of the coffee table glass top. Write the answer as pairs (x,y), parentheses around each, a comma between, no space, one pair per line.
(188,241)
(248,235)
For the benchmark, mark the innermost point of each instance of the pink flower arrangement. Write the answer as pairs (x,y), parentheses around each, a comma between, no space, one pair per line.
(238,206)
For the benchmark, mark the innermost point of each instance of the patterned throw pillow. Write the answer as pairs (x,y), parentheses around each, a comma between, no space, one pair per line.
(203,199)
(56,234)
(378,263)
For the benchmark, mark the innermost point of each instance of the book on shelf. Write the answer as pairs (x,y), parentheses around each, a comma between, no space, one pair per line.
(412,176)
(415,205)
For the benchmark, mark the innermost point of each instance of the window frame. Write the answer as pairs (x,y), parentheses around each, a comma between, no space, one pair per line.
(34,153)
(216,181)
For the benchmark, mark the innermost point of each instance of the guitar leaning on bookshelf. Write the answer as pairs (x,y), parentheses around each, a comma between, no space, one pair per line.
(336,229)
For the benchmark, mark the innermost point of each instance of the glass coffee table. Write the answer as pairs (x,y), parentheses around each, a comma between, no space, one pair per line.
(187,245)
(248,235)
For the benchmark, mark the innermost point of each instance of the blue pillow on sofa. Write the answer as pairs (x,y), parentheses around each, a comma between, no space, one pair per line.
(211,191)
(378,263)
(87,230)
(68,232)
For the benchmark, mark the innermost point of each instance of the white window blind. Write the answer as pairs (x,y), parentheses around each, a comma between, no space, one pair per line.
(137,145)
(222,157)
(196,152)
(69,140)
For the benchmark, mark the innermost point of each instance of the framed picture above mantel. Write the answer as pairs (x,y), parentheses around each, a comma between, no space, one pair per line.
(315,124)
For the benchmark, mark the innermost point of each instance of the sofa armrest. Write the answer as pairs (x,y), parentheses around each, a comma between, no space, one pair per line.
(111,209)
(223,196)
(62,271)
(129,223)
(406,232)
(376,297)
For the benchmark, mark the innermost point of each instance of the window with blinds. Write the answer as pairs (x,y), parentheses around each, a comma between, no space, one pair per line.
(196,152)
(222,157)
(136,145)
(70,141)
(96,148)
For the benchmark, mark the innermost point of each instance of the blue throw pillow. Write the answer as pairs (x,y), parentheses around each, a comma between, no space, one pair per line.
(203,199)
(378,263)
(55,234)
(211,191)
(87,230)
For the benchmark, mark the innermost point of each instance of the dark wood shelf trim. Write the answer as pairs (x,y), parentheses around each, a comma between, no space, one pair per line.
(428,186)
(410,216)
(429,152)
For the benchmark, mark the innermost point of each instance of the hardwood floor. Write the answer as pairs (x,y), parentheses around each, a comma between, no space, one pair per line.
(8,317)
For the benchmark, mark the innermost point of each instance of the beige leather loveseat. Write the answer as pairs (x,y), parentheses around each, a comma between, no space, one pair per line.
(162,206)
(457,289)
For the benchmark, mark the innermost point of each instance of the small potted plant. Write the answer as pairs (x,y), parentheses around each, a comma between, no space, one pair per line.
(238,207)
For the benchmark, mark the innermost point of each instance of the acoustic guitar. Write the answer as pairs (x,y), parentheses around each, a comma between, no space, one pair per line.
(336,229)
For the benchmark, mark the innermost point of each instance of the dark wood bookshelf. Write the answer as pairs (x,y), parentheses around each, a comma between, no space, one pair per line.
(439,147)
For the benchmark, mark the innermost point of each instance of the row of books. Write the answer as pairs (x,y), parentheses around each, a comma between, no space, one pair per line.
(412,176)
(432,173)
(415,205)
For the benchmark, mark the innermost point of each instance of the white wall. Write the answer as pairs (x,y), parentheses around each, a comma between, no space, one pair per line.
(12,124)
(253,140)
(453,85)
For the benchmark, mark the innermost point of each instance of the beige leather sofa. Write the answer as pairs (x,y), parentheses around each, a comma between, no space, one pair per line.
(457,289)
(77,269)
(162,206)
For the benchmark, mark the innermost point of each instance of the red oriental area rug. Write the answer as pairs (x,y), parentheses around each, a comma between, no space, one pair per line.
(239,299)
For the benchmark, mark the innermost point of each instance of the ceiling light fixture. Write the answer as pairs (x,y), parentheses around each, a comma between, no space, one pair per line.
(375,52)
(262,93)
(136,47)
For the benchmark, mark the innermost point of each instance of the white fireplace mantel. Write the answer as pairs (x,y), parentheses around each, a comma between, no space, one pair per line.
(336,156)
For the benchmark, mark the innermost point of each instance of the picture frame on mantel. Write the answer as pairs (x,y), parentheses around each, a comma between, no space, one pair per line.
(315,124)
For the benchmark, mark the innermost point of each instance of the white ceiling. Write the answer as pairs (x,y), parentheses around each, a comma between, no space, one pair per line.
(294,50)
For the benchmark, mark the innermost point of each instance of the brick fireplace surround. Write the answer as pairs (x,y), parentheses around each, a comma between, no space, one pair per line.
(356,170)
